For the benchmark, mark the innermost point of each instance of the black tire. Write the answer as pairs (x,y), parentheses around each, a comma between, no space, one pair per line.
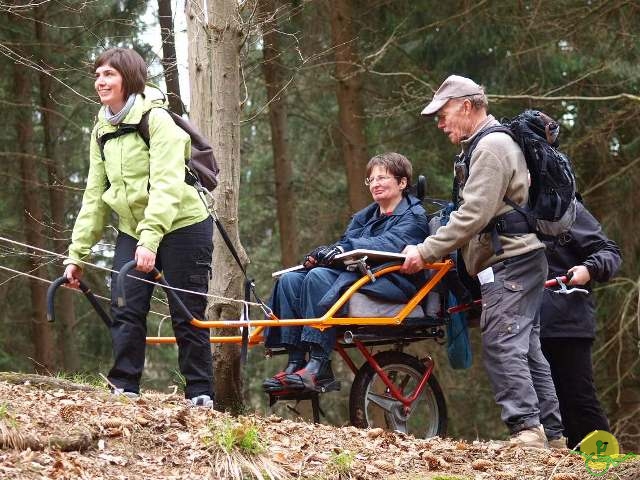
(428,416)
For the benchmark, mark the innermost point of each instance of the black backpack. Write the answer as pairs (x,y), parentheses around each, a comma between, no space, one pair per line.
(551,209)
(201,169)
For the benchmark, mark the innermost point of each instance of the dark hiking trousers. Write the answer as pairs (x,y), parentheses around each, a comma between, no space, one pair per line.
(570,361)
(184,258)
(510,325)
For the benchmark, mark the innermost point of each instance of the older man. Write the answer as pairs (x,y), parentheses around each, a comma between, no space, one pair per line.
(509,261)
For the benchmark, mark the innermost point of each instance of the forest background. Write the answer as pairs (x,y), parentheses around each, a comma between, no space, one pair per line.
(321,87)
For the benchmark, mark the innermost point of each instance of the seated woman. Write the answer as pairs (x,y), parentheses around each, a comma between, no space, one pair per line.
(394,220)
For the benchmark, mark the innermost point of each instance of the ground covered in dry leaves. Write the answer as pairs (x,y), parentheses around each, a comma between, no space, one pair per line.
(53,428)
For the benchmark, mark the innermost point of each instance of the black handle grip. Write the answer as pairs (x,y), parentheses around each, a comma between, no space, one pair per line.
(87,293)
(51,292)
(121,295)
(122,275)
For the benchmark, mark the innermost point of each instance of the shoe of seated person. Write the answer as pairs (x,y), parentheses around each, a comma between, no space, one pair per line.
(316,376)
(530,437)
(277,382)
(121,392)
(202,401)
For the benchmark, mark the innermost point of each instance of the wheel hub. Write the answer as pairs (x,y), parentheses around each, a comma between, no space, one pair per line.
(395,413)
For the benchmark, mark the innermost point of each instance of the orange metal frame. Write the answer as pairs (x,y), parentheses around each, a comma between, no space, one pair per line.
(328,319)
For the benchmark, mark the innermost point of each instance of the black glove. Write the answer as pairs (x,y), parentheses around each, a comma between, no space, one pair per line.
(326,255)
(312,254)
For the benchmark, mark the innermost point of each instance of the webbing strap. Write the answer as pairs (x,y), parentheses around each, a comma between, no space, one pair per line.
(245,330)
(234,253)
(514,222)
(225,237)
(123,129)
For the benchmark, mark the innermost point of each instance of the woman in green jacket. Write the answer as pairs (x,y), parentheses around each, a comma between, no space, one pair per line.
(162,222)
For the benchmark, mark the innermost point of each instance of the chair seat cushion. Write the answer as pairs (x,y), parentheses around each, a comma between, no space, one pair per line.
(361,305)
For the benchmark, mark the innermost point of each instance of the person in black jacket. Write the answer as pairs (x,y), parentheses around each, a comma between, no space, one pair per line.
(568,322)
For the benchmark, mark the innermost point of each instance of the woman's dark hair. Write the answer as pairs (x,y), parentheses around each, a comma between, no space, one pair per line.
(131,66)
(397,165)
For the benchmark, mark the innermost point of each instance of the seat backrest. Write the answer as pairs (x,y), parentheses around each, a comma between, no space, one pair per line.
(421,187)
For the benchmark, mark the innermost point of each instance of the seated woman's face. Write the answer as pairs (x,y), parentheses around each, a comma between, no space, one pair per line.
(108,85)
(384,187)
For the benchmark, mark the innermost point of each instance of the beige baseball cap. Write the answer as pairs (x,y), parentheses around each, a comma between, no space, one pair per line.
(454,86)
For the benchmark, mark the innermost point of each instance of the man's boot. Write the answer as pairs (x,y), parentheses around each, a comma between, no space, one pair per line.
(530,437)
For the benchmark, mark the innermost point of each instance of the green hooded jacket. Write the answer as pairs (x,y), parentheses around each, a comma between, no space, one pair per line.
(144,186)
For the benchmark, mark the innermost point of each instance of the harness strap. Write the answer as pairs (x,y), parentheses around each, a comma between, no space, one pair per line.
(514,222)
(249,283)
(123,129)
(245,330)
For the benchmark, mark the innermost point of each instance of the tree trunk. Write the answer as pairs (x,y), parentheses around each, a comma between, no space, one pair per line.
(351,111)
(215,37)
(283,166)
(66,341)
(41,333)
(169,60)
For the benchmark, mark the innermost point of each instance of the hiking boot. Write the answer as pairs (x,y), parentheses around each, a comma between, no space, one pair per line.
(560,442)
(202,401)
(277,382)
(316,376)
(120,392)
(530,437)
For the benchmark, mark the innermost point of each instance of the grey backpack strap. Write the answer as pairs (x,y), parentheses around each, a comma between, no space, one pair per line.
(143,128)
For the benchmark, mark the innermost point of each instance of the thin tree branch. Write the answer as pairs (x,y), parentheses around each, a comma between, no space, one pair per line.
(543,98)
(611,177)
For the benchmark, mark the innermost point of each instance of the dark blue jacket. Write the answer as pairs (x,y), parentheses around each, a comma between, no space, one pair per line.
(573,315)
(407,225)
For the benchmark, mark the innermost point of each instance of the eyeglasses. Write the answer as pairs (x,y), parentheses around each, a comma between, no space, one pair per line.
(378,179)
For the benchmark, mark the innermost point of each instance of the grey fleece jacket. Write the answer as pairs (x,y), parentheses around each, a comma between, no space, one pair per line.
(497,168)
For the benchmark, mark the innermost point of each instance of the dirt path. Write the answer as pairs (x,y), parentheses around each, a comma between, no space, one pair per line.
(51,428)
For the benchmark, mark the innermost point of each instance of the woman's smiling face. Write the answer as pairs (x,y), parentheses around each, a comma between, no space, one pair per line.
(108,85)
(384,187)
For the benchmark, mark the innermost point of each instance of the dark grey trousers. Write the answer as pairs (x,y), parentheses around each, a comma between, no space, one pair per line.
(510,325)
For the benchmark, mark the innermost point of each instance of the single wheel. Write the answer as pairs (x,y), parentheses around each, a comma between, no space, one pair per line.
(371,403)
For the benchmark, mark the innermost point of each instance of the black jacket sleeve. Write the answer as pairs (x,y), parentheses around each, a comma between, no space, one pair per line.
(601,255)
(585,244)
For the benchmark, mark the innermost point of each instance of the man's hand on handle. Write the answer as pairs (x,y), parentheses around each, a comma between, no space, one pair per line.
(414,262)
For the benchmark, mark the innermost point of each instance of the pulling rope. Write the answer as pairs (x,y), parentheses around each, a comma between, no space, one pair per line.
(106,269)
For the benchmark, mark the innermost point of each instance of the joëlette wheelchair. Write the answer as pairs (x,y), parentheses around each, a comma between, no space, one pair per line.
(392,389)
